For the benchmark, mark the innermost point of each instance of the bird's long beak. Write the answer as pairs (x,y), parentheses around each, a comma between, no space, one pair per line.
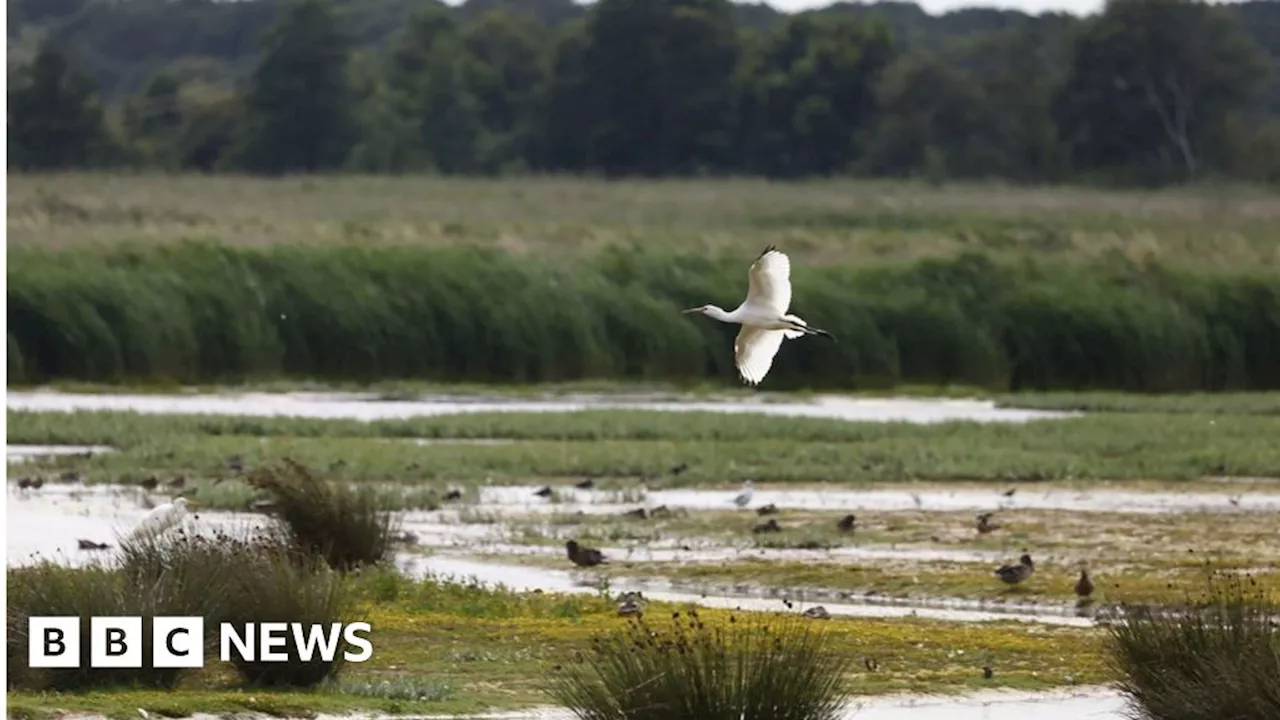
(691,310)
(192,503)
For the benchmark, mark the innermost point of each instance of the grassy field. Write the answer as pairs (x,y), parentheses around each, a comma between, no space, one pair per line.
(151,279)
(844,222)
(622,447)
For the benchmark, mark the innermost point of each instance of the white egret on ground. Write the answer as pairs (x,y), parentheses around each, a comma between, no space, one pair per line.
(763,316)
(162,518)
(744,497)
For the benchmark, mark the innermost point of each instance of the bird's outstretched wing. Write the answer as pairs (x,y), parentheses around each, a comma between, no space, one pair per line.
(770,281)
(753,352)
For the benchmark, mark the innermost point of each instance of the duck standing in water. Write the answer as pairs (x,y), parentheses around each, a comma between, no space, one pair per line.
(1084,586)
(1014,574)
(583,556)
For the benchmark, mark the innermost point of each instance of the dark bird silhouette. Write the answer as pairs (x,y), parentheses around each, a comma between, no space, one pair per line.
(583,556)
(817,612)
(679,468)
(660,511)
(150,482)
(847,522)
(771,526)
(769,509)
(39,482)
(985,525)
(91,545)
(1084,586)
(1014,574)
(639,513)
(24,483)
(544,491)
(586,484)
(453,495)
(987,672)
(1010,492)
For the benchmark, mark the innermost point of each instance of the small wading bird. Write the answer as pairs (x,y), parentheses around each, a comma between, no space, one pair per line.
(1014,574)
(162,518)
(743,498)
(583,556)
(1084,586)
(763,316)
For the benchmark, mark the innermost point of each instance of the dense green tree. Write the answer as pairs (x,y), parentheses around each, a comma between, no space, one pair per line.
(811,92)
(1152,84)
(654,86)
(299,105)
(153,120)
(932,122)
(55,120)
(509,72)
(1147,90)
(429,80)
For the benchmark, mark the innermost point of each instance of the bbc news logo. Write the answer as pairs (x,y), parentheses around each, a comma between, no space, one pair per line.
(178,642)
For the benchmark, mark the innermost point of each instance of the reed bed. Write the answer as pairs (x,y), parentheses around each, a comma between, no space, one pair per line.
(203,312)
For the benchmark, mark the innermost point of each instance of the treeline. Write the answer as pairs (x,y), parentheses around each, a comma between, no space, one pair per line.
(210,313)
(1147,91)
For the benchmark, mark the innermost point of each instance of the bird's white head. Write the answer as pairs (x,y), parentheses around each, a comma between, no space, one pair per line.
(182,503)
(701,309)
(748,484)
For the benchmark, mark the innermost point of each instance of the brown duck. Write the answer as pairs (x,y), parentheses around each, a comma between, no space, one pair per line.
(1014,574)
(771,526)
(985,525)
(1084,586)
(846,523)
(583,556)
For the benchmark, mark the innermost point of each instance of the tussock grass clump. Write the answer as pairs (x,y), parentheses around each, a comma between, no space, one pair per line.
(763,668)
(238,579)
(346,526)
(1219,659)
(287,588)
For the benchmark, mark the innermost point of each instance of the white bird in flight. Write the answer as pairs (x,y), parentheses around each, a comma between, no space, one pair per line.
(744,497)
(763,316)
(162,518)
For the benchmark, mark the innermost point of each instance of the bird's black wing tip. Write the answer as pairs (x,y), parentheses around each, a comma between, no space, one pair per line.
(767,250)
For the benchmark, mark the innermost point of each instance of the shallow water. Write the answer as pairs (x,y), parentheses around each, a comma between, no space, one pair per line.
(46,524)
(1084,703)
(22,453)
(1093,500)
(364,406)
(521,578)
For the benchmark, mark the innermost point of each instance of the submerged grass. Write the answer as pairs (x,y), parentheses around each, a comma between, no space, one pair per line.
(753,668)
(1218,660)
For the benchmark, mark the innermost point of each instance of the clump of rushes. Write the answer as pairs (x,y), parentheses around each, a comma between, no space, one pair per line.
(287,588)
(345,525)
(1216,659)
(761,668)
